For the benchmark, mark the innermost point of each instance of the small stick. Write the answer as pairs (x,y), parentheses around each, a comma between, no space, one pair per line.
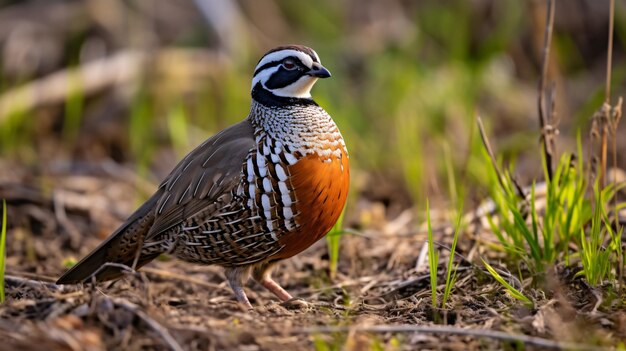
(138,252)
(122,267)
(483,135)
(609,56)
(167,274)
(15,280)
(437,329)
(616,116)
(545,122)
(33,276)
(58,201)
(604,119)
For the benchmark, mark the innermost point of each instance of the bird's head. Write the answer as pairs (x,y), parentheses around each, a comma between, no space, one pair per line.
(288,72)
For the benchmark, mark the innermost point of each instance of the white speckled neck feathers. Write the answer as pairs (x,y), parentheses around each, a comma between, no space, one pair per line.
(300,129)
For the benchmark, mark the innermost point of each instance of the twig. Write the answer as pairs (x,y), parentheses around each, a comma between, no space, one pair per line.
(93,277)
(138,252)
(420,264)
(609,55)
(616,116)
(545,120)
(31,276)
(167,274)
(604,120)
(58,201)
(483,135)
(342,285)
(21,281)
(437,329)
(397,292)
(599,300)
(158,328)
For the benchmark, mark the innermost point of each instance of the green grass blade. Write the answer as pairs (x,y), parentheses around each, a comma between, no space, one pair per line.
(514,292)
(535,249)
(433,259)
(594,257)
(332,241)
(450,276)
(533,216)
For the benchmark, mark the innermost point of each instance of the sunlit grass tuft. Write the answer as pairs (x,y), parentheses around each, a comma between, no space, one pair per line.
(561,226)
(540,238)
(600,249)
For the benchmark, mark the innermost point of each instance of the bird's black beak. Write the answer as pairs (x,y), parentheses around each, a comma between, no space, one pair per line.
(318,71)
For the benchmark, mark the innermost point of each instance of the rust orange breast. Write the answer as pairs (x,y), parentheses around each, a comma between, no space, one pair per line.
(321,189)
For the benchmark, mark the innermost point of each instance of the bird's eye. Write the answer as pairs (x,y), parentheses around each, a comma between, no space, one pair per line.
(289,65)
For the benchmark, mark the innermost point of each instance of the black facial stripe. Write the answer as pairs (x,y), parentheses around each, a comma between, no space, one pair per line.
(265,66)
(283,78)
(295,59)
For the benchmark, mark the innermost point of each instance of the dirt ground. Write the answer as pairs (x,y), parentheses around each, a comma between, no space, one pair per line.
(379,300)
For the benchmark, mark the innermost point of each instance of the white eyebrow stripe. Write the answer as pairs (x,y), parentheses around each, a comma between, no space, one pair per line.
(317,58)
(282,54)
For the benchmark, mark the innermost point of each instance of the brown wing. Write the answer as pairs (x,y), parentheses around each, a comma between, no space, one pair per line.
(211,169)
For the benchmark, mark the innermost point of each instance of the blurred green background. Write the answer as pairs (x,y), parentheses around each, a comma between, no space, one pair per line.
(141,82)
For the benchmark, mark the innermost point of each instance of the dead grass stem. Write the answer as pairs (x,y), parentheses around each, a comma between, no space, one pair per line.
(546,120)
(437,329)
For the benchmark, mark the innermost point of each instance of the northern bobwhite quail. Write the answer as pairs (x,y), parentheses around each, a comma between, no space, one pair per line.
(260,191)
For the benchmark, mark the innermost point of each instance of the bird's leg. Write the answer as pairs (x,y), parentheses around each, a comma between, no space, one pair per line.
(263,274)
(237,276)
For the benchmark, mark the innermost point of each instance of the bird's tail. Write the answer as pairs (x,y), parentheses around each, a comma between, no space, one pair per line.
(108,260)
